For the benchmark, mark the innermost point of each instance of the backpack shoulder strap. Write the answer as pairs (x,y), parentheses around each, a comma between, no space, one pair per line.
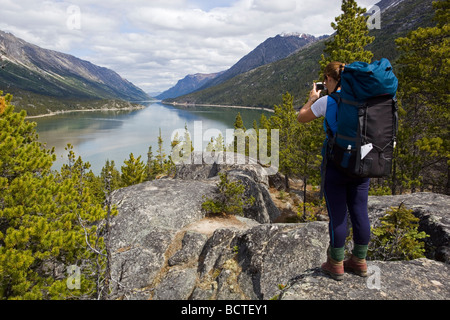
(328,146)
(336,97)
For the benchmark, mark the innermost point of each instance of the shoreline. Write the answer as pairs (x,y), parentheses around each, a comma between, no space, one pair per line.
(187,105)
(59,112)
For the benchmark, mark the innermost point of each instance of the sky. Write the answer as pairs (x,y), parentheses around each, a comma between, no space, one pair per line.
(155,43)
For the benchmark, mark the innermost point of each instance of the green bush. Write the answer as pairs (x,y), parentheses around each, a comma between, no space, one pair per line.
(229,200)
(398,237)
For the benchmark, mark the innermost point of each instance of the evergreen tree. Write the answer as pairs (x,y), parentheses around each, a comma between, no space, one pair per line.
(310,138)
(423,155)
(181,150)
(216,144)
(151,170)
(239,123)
(285,120)
(20,150)
(160,158)
(239,136)
(265,124)
(177,147)
(134,171)
(256,130)
(210,146)
(46,219)
(187,142)
(92,218)
(351,37)
(2,104)
(110,172)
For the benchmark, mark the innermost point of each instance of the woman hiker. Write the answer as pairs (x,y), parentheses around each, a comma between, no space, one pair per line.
(341,192)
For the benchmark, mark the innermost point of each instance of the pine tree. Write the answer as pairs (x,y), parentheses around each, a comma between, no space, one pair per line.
(310,139)
(351,37)
(265,144)
(256,130)
(20,150)
(160,158)
(2,104)
(239,123)
(216,144)
(110,172)
(239,136)
(424,147)
(188,146)
(285,120)
(92,221)
(134,171)
(47,219)
(151,171)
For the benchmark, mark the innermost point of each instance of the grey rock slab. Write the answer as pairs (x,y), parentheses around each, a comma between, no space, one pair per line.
(420,279)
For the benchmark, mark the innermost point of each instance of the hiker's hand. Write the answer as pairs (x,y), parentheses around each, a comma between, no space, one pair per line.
(314,95)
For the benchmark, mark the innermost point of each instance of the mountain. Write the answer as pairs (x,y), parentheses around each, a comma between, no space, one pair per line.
(272,49)
(398,18)
(29,68)
(188,84)
(265,85)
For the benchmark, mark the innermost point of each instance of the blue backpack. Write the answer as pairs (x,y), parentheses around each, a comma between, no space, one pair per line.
(367,120)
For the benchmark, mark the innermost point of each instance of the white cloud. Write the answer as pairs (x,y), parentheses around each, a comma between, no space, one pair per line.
(155,43)
(274,6)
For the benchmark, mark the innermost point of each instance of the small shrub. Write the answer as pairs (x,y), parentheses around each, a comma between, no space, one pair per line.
(229,199)
(398,237)
(310,211)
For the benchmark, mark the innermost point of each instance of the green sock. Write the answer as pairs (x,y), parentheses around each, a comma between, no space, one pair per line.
(337,254)
(360,251)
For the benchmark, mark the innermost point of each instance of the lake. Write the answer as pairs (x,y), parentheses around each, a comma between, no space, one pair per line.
(98,136)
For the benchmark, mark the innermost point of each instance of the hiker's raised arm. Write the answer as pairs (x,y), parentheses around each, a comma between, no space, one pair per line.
(306,114)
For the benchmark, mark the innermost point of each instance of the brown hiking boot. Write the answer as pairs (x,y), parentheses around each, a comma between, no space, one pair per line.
(335,269)
(356,266)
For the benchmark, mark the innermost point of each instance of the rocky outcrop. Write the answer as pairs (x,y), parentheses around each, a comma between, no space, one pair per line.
(160,227)
(271,254)
(420,279)
(204,165)
(165,248)
(207,166)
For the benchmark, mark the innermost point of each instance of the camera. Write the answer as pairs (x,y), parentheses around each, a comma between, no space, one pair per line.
(319,86)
